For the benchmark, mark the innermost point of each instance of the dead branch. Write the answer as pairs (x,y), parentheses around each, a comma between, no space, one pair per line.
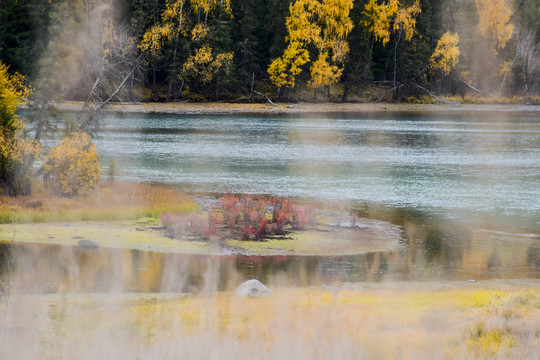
(266,97)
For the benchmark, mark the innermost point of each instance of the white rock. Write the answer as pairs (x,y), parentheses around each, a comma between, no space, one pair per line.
(252,289)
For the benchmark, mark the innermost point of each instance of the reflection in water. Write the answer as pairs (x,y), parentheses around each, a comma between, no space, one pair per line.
(431,254)
(463,188)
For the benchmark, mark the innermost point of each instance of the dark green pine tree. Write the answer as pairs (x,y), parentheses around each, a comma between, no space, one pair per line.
(143,14)
(413,57)
(249,43)
(17,36)
(357,72)
(220,39)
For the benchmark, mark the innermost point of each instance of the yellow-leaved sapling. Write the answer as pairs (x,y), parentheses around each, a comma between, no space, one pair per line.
(72,167)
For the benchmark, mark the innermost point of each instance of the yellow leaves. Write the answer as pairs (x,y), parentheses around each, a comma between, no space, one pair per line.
(204,66)
(406,19)
(505,67)
(494,20)
(199,32)
(207,6)
(72,166)
(446,54)
(323,74)
(15,151)
(379,17)
(300,26)
(153,39)
(283,70)
(12,90)
(322,24)
(173,22)
(173,11)
(181,18)
(278,73)
(18,149)
(340,49)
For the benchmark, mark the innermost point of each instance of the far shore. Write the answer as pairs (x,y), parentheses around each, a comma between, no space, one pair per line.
(217,108)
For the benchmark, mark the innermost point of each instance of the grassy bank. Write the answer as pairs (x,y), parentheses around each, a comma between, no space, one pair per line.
(111,201)
(407,321)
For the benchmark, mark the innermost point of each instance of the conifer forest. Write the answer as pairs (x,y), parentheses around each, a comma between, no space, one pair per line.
(258,50)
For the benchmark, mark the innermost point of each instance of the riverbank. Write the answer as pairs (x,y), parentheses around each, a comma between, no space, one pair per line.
(147,234)
(126,215)
(455,320)
(300,108)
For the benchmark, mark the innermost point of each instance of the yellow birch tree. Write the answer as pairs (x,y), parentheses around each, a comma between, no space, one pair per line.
(321,26)
(446,54)
(494,21)
(16,153)
(378,18)
(72,167)
(201,64)
(391,16)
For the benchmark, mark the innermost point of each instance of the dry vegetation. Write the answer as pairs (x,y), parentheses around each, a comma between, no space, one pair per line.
(116,201)
(407,321)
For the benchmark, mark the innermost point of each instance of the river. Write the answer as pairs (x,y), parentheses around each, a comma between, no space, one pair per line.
(463,187)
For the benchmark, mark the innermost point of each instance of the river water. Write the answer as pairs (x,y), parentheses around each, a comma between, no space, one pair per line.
(481,164)
(463,187)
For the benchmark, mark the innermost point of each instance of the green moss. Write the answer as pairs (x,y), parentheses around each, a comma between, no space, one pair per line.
(133,234)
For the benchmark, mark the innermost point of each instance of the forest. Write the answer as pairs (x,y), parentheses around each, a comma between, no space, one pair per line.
(100,51)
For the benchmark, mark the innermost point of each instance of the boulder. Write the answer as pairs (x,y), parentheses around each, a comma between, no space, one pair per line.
(88,245)
(252,289)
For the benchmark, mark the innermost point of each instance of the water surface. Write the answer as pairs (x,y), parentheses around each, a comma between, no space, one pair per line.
(464,189)
(483,164)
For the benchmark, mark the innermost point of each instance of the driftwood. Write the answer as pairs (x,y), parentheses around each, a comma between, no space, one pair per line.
(266,97)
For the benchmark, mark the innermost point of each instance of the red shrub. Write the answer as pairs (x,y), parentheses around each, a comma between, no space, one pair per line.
(242,217)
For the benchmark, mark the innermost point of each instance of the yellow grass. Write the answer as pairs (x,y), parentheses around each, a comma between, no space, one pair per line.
(420,321)
(117,201)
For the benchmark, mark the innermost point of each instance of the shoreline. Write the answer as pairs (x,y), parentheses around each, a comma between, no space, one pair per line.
(146,235)
(215,108)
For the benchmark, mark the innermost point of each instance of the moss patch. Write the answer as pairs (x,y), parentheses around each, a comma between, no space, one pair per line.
(139,234)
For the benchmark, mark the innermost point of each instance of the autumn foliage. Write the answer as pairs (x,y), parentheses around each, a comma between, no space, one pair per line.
(322,25)
(16,153)
(446,54)
(72,167)
(242,217)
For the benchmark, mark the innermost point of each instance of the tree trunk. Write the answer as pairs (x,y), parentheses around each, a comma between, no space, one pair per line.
(346,88)
(154,84)
(130,89)
(41,117)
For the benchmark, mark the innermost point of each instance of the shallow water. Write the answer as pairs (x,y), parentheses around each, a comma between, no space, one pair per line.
(464,189)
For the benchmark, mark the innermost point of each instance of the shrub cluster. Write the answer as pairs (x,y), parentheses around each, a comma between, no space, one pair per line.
(72,167)
(242,217)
